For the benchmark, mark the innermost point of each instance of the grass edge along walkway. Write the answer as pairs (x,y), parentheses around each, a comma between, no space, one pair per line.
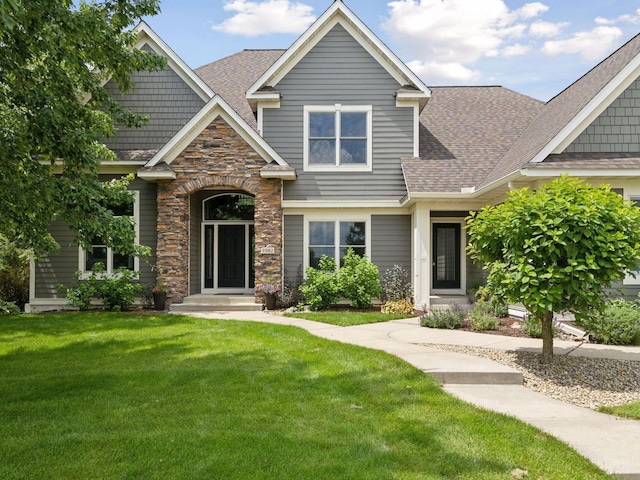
(141,396)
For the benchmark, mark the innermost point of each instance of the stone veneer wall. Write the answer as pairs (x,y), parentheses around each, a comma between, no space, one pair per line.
(218,157)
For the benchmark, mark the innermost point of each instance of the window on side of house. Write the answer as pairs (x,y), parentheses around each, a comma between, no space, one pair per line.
(334,238)
(99,252)
(630,280)
(337,137)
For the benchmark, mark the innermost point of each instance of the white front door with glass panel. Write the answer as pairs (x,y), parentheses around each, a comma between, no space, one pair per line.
(228,244)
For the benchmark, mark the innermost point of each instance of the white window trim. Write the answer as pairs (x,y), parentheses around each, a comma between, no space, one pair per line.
(109,266)
(337,218)
(629,280)
(338,108)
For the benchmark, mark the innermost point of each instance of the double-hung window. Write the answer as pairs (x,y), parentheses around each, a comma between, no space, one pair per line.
(333,239)
(100,253)
(337,137)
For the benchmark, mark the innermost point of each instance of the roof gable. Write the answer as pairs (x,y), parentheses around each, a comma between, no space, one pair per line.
(568,114)
(338,13)
(146,36)
(215,108)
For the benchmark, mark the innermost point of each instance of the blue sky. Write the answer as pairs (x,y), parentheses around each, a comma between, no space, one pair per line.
(534,47)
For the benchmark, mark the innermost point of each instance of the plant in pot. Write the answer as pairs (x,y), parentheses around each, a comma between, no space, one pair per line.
(159,296)
(270,291)
(159,291)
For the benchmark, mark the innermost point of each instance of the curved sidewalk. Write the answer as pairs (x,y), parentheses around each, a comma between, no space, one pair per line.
(610,442)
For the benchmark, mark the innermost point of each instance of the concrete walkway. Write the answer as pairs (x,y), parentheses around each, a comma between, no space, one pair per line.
(610,442)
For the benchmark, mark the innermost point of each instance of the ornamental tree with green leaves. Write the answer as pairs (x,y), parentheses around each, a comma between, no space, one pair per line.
(556,248)
(55,58)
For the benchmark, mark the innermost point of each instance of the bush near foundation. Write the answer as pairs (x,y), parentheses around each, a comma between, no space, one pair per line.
(618,324)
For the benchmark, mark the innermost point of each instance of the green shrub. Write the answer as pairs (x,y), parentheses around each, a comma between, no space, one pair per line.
(398,306)
(8,308)
(532,326)
(450,317)
(396,284)
(618,324)
(320,288)
(358,280)
(117,291)
(14,273)
(482,317)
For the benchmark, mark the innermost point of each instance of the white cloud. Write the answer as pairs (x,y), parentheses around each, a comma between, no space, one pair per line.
(515,50)
(445,37)
(447,72)
(546,29)
(591,45)
(270,16)
(531,10)
(628,18)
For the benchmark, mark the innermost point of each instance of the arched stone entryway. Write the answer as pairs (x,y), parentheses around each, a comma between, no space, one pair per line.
(218,160)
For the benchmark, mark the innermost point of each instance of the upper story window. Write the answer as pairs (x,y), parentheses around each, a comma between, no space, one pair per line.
(337,137)
(99,251)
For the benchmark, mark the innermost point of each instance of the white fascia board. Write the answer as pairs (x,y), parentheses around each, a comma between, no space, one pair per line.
(214,108)
(146,35)
(307,204)
(338,13)
(591,111)
(288,175)
(557,172)
(151,175)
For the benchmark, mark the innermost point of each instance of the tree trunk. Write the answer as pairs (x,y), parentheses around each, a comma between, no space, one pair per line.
(547,337)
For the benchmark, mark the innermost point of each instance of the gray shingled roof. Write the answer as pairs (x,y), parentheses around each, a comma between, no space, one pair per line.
(464,132)
(589,161)
(231,76)
(560,110)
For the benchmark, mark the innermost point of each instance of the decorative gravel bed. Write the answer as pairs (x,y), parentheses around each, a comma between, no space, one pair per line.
(586,382)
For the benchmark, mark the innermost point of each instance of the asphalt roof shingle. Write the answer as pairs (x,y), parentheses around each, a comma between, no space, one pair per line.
(560,110)
(231,76)
(464,131)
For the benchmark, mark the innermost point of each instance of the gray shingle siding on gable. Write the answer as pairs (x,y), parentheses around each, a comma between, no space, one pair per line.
(168,101)
(339,70)
(617,129)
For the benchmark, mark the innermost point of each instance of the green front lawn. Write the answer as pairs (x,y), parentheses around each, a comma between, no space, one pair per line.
(629,410)
(347,318)
(141,396)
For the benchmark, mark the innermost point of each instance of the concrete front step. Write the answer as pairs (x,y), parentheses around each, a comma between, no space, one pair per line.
(217,303)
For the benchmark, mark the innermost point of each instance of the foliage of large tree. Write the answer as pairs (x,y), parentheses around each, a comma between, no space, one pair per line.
(55,57)
(556,248)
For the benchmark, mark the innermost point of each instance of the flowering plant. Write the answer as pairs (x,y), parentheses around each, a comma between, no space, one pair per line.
(159,288)
(268,288)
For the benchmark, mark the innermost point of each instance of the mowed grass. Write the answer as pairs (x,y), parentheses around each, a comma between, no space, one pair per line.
(142,396)
(629,410)
(347,318)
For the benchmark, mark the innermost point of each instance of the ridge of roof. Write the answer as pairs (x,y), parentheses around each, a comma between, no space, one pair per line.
(338,12)
(574,106)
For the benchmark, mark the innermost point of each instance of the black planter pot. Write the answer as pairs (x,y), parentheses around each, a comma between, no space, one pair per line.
(159,299)
(270,301)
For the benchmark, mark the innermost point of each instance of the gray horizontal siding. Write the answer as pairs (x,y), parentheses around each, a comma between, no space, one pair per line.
(60,267)
(617,129)
(391,241)
(339,70)
(293,248)
(168,101)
